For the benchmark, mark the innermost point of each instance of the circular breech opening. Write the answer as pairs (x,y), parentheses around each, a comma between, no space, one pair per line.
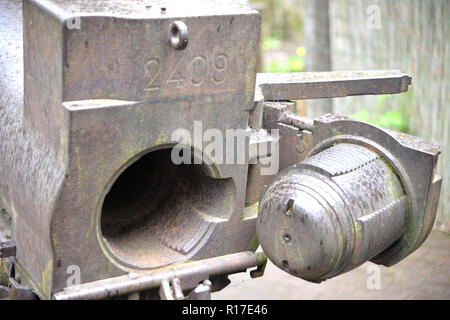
(157,213)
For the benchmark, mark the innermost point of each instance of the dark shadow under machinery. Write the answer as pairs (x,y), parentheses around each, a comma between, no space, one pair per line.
(93,205)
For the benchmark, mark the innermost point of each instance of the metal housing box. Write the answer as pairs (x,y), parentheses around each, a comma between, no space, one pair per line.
(103,87)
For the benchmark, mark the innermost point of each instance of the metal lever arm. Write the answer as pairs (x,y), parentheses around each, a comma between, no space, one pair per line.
(318,85)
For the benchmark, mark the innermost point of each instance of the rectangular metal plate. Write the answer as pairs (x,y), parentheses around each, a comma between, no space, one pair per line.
(319,85)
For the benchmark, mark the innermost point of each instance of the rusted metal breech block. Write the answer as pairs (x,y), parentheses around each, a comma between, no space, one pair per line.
(348,192)
(92,100)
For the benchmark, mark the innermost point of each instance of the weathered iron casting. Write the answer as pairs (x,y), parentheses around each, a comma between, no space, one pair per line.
(361,193)
(90,92)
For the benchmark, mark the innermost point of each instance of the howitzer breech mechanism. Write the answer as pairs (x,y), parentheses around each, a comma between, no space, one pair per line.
(94,205)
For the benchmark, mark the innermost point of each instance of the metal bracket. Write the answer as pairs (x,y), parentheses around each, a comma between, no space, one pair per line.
(20,292)
(202,292)
(171,290)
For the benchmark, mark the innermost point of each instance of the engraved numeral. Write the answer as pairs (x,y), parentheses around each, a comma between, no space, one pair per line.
(194,72)
(177,74)
(198,71)
(152,72)
(220,67)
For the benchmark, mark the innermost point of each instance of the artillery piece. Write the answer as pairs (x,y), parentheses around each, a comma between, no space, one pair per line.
(91,93)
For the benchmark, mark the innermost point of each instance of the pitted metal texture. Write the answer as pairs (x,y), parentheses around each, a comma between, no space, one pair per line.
(331,212)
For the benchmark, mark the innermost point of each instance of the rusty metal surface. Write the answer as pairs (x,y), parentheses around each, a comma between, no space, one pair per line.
(97,99)
(134,282)
(4,293)
(297,121)
(368,193)
(31,172)
(7,244)
(18,291)
(414,160)
(89,97)
(318,85)
(331,213)
(257,163)
(149,9)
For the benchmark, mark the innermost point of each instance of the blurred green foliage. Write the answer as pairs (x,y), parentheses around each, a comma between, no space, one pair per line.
(282,26)
(384,116)
(271,43)
(292,64)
